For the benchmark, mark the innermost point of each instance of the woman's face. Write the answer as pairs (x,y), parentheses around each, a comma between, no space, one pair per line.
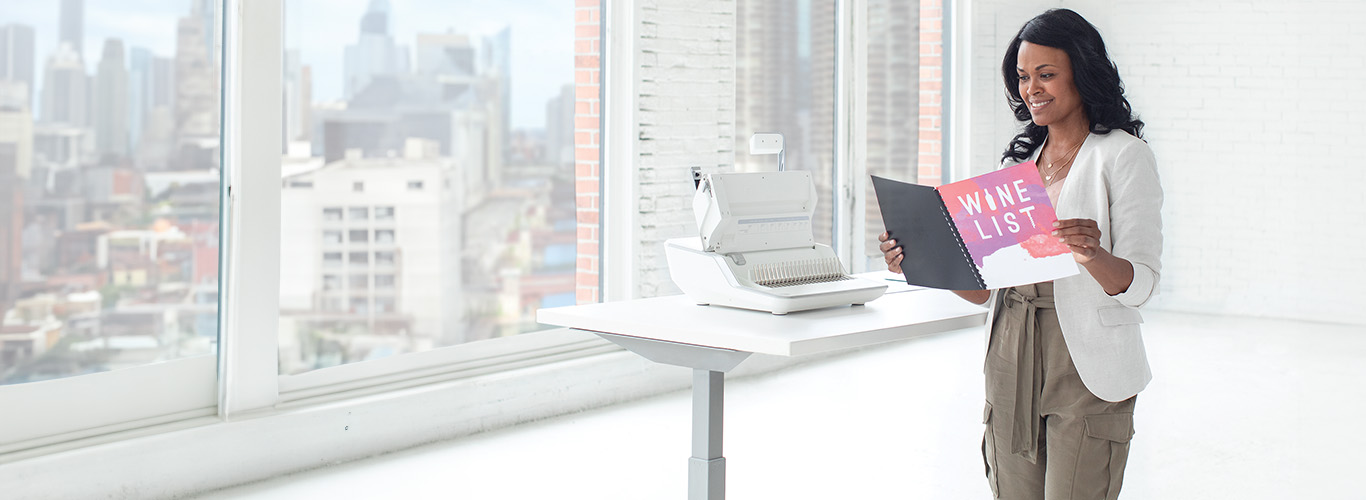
(1046,84)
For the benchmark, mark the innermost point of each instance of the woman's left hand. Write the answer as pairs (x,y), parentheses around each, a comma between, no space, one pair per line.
(1082,236)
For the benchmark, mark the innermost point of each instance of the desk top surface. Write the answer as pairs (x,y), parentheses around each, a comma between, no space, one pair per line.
(902,313)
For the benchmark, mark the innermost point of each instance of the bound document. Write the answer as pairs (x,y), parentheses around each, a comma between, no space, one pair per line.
(987,232)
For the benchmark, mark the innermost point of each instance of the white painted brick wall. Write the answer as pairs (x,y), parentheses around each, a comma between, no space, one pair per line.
(686,116)
(1255,112)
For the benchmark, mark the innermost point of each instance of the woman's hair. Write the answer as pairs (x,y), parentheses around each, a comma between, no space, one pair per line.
(1095,76)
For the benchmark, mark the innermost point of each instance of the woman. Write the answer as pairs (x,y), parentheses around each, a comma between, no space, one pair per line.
(1065,360)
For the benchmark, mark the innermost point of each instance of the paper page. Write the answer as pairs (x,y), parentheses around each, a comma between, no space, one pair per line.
(1004,218)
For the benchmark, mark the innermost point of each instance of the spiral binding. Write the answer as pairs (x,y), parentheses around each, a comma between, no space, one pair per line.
(976,274)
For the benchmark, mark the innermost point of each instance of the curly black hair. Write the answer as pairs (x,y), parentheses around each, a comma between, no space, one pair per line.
(1095,75)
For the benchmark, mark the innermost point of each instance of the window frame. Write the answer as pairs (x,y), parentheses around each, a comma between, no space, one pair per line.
(63,411)
(252,329)
(248,382)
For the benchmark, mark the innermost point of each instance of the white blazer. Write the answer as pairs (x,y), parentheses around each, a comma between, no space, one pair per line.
(1114,182)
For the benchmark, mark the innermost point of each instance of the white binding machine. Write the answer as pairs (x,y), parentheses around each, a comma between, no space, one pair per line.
(756,250)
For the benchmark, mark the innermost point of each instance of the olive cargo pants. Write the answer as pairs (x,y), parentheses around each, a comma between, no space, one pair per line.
(1047,437)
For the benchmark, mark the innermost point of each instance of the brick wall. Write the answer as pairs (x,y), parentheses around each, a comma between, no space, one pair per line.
(1256,119)
(930,158)
(587,138)
(686,117)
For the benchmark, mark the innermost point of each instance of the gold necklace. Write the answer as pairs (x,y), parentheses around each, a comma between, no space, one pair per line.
(1048,177)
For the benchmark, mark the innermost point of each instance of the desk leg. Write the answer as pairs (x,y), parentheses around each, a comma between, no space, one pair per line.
(707,468)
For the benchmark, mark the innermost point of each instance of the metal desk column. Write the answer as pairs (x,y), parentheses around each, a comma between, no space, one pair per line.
(707,467)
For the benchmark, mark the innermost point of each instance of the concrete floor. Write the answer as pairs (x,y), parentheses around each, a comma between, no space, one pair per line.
(1240,408)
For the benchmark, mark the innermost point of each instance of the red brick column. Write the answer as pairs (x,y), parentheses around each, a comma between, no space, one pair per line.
(587,139)
(930,163)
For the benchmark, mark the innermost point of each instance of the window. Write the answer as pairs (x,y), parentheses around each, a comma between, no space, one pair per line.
(332,214)
(109,211)
(384,281)
(332,238)
(358,236)
(904,112)
(332,259)
(360,305)
(384,258)
(358,213)
(331,282)
(384,236)
(360,282)
(785,83)
(384,305)
(400,97)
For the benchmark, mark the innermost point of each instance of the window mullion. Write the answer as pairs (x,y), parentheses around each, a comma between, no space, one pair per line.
(248,374)
(851,92)
(618,173)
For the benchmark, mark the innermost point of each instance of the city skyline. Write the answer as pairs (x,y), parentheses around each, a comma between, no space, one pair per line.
(151,24)
(111,189)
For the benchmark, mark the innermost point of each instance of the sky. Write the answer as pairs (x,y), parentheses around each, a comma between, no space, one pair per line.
(542,36)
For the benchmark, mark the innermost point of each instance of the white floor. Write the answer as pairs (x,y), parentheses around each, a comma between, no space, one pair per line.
(1240,409)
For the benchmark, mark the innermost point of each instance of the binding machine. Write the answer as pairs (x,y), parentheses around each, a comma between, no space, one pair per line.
(756,250)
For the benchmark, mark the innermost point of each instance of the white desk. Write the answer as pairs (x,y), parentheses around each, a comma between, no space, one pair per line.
(713,340)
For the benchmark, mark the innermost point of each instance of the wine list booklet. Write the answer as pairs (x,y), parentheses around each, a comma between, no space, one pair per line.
(987,232)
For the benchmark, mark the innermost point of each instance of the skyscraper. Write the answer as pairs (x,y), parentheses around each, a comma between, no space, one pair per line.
(208,17)
(196,101)
(156,133)
(499,53)
(374,52)
(73,25)
(766,75)
(163,82)
(64,87)
(445,54)
(784,83)
(140,73)
(16,57)
(16,156)
(111,101)
(559,128)
(893,110)
(820,149)
(298,99)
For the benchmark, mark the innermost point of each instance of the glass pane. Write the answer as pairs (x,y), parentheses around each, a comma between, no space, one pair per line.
(359,236)
(894,116)
(785,83)
(109,181)
(420,129)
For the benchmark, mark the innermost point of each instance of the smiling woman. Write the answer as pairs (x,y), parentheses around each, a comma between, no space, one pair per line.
(1065,359)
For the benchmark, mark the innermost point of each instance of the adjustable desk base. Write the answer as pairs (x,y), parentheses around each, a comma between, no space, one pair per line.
(707,467)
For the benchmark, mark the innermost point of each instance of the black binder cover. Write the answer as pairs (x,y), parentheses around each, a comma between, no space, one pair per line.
(934,255)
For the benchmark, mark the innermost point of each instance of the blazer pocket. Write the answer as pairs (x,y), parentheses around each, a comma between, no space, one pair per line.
(1119,315)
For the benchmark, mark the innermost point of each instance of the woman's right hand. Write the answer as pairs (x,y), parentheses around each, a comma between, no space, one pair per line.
(891,252)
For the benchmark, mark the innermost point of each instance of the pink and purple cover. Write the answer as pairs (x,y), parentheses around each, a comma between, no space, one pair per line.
(1004,218)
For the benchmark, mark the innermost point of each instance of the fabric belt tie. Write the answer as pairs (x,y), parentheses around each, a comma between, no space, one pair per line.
(1024,439)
